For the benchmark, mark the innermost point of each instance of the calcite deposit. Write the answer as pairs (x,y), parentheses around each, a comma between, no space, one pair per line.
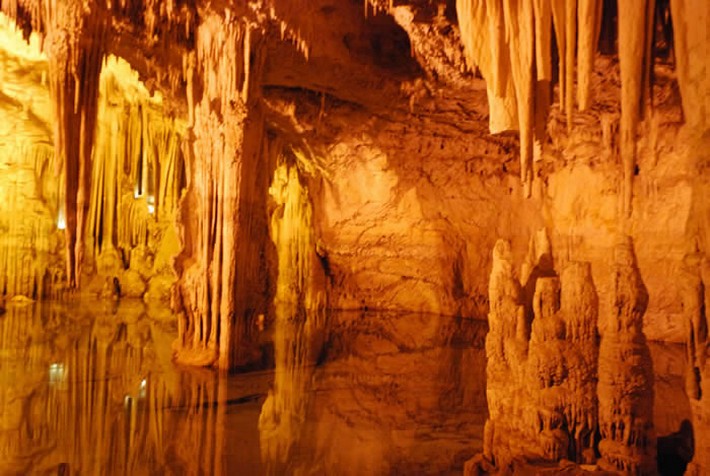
(232,158)
(542,350)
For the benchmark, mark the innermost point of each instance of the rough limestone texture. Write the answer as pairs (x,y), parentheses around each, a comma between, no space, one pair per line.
(625,390)
(542,349)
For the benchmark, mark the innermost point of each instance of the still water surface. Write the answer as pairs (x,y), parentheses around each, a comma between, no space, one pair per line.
(91,388)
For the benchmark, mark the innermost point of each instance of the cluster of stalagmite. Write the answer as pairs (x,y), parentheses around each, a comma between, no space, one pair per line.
(551,386)
(541,373)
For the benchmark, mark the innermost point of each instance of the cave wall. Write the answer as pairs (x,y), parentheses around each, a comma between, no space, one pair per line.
(406,204)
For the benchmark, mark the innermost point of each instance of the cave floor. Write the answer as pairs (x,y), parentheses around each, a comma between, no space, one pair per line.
(91,388)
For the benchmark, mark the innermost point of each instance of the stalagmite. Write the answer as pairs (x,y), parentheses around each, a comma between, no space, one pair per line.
(540,379)
(628,440)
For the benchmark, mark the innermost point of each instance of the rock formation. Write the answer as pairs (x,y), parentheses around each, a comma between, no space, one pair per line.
(694,296)
(541,373)
(625,390)
(553,389)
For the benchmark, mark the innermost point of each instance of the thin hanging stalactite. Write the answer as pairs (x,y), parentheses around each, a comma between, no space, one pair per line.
(632,61)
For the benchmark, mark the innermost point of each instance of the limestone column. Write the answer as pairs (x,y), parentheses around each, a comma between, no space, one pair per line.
(223,217)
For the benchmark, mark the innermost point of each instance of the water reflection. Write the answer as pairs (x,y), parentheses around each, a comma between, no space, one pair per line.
(87,389)
(401,393)
(95,392)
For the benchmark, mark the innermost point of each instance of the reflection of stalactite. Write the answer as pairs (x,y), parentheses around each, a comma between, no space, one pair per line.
(628,441)
(94,396)
(298,338)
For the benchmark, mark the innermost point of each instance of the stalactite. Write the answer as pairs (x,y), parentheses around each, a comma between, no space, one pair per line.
(137,173)
(29,243)
(559,20)
(691,23)
(570,55)
(543,39)
(75,46)
(632,54)
(301,277)
(577,25)
(482,26)
(521,41)
(589,14)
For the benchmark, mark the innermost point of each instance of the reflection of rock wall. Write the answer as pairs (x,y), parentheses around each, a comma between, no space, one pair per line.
(396,393)
(541,375)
